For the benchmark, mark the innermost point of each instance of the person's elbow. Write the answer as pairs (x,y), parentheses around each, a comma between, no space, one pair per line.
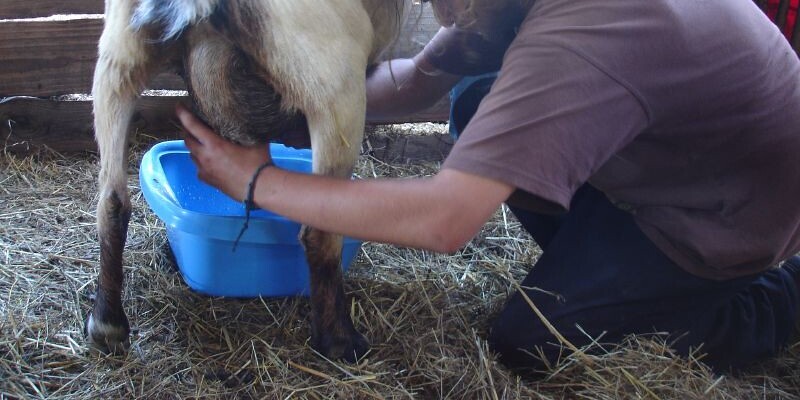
(463,204)
(448,245)
(451,233)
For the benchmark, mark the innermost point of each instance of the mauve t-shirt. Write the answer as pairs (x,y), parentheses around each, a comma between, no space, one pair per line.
(687,112)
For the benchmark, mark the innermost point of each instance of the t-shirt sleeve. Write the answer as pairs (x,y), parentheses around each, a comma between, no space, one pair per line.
(550,121)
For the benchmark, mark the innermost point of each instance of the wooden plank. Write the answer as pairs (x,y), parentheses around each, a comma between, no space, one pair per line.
(12,9)
(30,124)
(50,58)
(420,16)
(408,149)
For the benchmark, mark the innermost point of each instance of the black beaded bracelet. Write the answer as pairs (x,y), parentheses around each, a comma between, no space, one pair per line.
(249,202)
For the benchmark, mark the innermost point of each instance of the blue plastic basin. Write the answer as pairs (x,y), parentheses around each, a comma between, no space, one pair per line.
(202,224)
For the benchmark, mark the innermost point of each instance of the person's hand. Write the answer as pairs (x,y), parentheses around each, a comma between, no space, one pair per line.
(220,163)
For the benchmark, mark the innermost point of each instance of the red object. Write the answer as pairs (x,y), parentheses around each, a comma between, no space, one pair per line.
(791,17)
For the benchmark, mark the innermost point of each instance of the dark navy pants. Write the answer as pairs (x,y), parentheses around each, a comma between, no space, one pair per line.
(612,281)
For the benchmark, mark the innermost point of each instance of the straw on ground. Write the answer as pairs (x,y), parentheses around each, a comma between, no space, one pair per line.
(425,314)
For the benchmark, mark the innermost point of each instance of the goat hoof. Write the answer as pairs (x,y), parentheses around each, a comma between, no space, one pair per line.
(349,348)
(107,337)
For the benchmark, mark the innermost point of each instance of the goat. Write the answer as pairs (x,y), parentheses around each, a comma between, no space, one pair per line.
(252,67)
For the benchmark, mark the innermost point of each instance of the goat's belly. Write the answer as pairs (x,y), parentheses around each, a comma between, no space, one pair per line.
(232,96)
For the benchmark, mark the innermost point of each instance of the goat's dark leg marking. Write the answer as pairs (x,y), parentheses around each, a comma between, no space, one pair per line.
(107,326)
(332,331)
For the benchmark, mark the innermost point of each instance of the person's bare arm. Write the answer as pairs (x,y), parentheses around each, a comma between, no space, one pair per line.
(402,87)
(439,213)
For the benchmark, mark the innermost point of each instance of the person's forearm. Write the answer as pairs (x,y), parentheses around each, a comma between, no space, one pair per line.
(398,88)
(395,212)
(419,213)
(439,213)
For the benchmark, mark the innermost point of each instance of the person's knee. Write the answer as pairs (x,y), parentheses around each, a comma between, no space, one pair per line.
(507,349)
(757,323)
(793,266)
(516,346)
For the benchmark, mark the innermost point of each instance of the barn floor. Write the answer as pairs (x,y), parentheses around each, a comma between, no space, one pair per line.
(425,315)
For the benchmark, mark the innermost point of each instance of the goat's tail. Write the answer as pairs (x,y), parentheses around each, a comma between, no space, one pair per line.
(171,16)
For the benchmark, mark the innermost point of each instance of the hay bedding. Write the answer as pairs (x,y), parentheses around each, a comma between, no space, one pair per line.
(425,314)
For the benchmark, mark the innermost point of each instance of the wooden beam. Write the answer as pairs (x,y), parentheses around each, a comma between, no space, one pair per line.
(408,149)
(50,58)
(30,124)
(13,9)
(419,16)
(45,58)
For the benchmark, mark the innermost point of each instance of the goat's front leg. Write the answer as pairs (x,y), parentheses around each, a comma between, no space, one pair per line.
(120,74)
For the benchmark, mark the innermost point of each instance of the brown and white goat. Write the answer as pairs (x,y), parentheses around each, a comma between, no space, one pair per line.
(253,67)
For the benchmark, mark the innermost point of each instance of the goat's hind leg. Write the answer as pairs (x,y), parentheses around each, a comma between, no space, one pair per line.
(330,90)
(332,330)
(336,127)
(122,69)
(336,133)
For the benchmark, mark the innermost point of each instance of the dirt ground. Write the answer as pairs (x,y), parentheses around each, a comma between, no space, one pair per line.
(425,315)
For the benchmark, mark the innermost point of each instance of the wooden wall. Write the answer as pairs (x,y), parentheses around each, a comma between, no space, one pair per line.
(48,49)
